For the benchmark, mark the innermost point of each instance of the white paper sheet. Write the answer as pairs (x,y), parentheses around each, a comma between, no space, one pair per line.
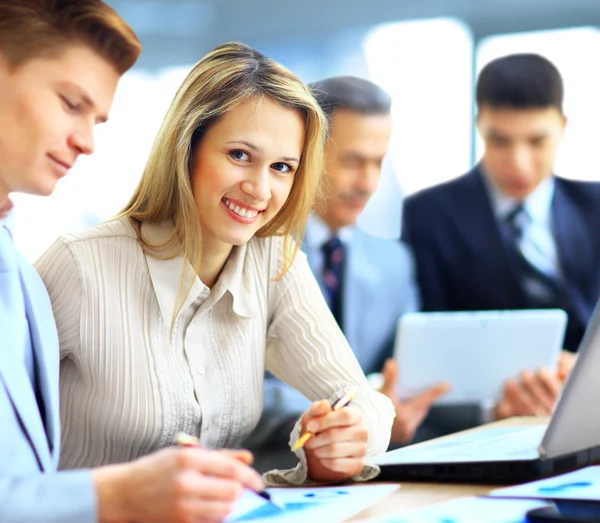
(467,510)
(581,485)
(309,505)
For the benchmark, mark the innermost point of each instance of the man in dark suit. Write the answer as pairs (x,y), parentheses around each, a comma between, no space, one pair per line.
(510,234)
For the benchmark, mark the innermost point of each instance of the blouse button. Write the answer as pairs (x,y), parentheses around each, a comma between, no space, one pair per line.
(200,369)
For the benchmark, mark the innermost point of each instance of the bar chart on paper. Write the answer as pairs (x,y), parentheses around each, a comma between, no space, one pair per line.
(331,504)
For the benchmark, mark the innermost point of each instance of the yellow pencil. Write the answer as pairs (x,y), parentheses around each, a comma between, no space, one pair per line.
(185,440)
(339,404)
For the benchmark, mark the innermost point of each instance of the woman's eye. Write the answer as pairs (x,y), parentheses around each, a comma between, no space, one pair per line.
(239,154)
(283,167)
(70,105)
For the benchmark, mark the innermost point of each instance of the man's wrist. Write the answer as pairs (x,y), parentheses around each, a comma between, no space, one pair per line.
(110,483)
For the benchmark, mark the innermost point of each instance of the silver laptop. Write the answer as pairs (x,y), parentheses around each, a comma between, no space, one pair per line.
(518,453)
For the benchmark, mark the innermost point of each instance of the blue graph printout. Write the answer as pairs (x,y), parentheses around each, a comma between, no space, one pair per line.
(467,510)
(581,485)
(302,505)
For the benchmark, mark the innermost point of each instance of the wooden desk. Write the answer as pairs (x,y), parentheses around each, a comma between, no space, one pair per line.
(414,494)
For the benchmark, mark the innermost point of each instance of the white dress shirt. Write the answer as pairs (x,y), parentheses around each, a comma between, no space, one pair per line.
(129,383)
(538,243)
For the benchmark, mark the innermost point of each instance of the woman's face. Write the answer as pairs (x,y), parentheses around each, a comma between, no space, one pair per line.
(244,170)
(48,109)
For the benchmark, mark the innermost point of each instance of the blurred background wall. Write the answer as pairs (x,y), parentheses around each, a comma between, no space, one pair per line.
(426,53)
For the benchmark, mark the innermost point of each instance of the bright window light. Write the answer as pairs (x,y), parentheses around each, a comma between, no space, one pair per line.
(426,66)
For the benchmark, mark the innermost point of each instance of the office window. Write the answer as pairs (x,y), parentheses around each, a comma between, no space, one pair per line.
(575,52)
(426,66)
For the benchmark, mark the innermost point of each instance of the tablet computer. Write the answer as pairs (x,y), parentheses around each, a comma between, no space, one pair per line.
(476,352)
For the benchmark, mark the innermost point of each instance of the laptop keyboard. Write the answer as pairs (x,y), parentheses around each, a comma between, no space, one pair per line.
(508,445)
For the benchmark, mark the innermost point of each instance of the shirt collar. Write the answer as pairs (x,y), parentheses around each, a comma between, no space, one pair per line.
(238,283)
(320,233)
(166,275)
(5,223)
(6,216)
(538,204)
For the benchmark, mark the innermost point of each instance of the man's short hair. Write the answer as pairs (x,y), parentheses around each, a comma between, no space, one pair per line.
(351,93)
(520,81)
(43,28)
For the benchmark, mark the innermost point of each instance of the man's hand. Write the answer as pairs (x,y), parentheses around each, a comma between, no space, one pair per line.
(534,394)
(566,361)
(174,485)
(410,413)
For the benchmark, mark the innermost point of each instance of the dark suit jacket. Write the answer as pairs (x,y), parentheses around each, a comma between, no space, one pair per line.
(463,262)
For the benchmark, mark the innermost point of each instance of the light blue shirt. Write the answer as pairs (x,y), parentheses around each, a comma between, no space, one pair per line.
(538,244)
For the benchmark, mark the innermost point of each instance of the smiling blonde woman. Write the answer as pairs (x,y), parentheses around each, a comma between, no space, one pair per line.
(169,315)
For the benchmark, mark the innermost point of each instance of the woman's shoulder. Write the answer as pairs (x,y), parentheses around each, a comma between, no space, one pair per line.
(112,231)
(279,245)
(275,252)
(263,244)
(266,248)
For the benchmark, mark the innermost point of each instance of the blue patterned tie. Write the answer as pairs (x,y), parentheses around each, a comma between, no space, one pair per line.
(333,253)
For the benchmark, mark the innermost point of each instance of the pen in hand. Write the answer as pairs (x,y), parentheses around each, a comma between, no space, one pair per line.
(337,405)
(185,440)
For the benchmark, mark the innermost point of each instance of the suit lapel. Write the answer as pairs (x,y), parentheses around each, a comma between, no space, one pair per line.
(17,384)
(361,281)
(575,252)
(351,294)
(45,346)
(481,231)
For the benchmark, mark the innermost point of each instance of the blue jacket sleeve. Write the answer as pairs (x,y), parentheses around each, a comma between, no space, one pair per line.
(60,497)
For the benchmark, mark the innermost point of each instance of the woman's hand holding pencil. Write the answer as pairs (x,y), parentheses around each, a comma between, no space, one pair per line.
(337,444)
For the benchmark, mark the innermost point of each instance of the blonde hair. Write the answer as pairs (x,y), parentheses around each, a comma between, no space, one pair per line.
(41,28)
(226,77)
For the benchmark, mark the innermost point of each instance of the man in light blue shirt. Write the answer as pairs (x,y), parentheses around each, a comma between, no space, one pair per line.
(60,62)
(367,281)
